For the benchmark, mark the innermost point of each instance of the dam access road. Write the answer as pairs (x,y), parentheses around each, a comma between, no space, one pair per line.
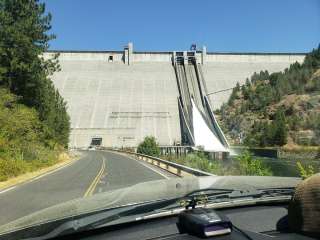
(94,172)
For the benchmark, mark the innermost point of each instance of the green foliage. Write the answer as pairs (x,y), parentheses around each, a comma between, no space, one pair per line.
(23,39)
(312,60)
(250,166)
(198,160)
(278,130)
(268,134)
(251,114)
(149,147)
(318,153)
(234,94)
(245,164)
(23,142)
(277,84)
(14,167)
(305,171)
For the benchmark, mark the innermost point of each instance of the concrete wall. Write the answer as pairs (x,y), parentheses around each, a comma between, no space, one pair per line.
(152,57)
(120,103)
(127,99)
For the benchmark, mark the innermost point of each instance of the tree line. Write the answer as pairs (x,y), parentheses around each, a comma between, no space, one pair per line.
(264,89)
(24,37)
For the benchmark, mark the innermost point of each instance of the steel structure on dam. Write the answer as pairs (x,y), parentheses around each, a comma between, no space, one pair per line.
(116,98)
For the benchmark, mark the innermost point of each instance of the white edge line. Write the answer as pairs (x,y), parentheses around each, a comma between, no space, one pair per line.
(8,189)
(145,165)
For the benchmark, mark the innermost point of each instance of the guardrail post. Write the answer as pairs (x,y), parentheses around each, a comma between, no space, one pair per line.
(179,170)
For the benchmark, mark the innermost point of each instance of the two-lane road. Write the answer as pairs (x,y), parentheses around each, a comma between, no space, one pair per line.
(95,172)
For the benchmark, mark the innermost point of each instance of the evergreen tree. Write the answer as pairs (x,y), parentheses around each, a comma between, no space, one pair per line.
(266,89)
(24,38)
(234,94)
(279,129)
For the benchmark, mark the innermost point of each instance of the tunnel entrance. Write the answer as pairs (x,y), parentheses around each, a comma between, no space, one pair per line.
(96,141)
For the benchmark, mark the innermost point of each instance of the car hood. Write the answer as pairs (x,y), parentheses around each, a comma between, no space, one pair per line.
(143,192)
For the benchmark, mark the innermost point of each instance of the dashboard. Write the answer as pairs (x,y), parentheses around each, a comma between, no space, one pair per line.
(254,222)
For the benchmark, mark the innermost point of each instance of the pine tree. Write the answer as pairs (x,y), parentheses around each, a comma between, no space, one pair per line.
(24,38)
(280,129)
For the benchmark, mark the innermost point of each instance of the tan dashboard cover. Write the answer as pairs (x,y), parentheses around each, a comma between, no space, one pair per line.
(304,208)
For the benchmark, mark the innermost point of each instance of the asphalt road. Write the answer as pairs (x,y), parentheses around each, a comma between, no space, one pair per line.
(95,172)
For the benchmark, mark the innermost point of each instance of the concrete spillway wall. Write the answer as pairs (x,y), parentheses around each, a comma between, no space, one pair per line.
(123,96)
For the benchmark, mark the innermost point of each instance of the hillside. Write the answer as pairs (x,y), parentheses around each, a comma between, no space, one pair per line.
(34,124)
(24,146)
(276,109)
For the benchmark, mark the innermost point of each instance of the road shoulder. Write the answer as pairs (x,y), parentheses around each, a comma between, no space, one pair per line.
(31,176)
(162,172)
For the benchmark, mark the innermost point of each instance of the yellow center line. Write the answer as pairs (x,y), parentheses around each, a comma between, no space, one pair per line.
(96,180)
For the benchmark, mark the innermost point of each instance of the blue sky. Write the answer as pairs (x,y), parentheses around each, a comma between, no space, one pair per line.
(166,25)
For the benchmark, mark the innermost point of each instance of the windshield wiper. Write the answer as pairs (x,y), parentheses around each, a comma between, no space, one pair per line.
(223,196)
(273,192)
(174,206)
(147,210)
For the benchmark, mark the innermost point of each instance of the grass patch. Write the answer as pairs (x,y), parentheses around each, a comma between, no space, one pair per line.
(10,168)
(24,143)
(244,164)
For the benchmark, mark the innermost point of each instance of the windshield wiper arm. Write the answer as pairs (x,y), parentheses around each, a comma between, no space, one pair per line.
(87,221)
(287,191)
(106,217)
(145,210)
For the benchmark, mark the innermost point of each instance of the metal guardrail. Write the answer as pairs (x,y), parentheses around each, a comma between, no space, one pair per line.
(174,168)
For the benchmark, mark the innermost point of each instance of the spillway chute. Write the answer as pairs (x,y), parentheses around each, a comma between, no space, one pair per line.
(198,124)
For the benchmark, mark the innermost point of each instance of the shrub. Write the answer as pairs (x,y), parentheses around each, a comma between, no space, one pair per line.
(305,171)
(244,165)
(23,145)
(149,147)
(198,160)
(11,168)
(318,153)
(250,166)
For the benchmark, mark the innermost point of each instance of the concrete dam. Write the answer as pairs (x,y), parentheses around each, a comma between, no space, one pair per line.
(116,98)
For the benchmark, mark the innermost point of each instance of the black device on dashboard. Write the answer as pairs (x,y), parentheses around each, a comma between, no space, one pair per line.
(203,222)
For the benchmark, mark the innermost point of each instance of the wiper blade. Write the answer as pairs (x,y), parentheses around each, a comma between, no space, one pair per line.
(107,217)
(220,195)
(289,191)
(147,210)
(214,193)
(87,221)
(152,207)
(94,220)
(174,206)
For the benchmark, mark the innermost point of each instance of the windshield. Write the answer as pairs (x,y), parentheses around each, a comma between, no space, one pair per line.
(106,104)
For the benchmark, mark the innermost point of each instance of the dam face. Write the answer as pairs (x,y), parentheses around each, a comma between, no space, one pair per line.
(117,98)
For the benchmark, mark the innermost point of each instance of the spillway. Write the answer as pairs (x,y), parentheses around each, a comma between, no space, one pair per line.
(117,98)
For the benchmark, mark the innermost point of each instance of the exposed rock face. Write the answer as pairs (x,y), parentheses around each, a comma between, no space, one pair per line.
(302,112)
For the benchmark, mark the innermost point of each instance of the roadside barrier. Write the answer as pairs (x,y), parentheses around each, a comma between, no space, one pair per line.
(174,168)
